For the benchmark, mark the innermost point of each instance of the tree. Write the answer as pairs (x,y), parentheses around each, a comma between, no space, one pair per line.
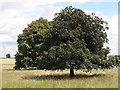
(29,43)
(73,40)
(8,56)
(76,42)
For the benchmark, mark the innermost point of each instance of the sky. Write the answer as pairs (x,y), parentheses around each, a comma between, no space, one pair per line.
(15,15)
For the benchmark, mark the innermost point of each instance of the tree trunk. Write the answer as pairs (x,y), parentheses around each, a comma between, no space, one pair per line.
(71,72)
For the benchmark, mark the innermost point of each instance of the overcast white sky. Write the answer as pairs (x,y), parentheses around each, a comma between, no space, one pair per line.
(16,14)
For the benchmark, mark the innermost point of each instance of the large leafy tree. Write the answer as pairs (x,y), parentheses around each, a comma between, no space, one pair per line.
(76,42)
(29,43)
(73,40)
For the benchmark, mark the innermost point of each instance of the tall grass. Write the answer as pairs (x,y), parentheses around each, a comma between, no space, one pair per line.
(53,79)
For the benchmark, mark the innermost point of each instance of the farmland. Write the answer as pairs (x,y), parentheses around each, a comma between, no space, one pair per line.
(56,79)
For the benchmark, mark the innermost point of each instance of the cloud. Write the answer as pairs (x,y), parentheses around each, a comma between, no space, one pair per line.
(31,4)
(92,11)
(49,11)
(15,17)
(16,14)
(5,38)
(112,33)
(6,48)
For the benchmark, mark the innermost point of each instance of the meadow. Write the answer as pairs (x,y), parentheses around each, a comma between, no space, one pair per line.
(56,79)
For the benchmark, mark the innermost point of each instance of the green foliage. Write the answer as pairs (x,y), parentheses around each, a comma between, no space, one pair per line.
(76,41)
(29,43)
(8,56)
(72,40)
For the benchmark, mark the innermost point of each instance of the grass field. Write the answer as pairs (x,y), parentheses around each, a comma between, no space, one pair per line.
(56,79)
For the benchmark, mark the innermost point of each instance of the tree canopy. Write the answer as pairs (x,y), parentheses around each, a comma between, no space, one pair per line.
(29,43)
(73,40)
(8,56)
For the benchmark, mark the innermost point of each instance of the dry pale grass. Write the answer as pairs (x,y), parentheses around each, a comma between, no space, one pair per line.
(8,64)
(7,61)
(56,79)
